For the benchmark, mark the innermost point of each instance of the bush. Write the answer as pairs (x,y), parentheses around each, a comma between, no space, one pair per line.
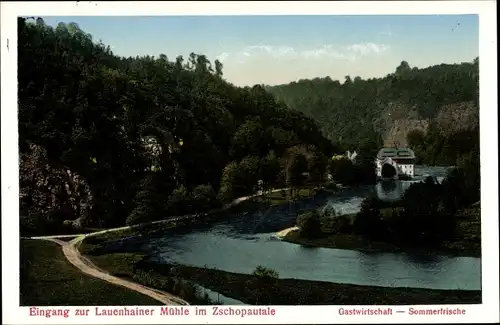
(342,170)
(427,218)
(332,187)
(203,197)
(368,221)
(182,288)
(265,272)
(309,224)
(179,201)
(341,225)
(143,210)
(422,199)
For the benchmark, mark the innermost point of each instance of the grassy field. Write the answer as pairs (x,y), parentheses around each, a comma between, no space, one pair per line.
(127,265)
(48,279)
(467,241)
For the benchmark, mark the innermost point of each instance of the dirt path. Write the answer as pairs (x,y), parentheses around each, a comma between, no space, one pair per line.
(72,254)
(74,257)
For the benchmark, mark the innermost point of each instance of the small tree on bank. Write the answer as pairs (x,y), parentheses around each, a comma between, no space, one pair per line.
(309,224)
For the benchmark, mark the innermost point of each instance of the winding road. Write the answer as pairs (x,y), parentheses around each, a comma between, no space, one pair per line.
(72,254)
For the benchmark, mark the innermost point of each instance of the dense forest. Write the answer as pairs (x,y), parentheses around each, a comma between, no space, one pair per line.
(435,109)
(106,139)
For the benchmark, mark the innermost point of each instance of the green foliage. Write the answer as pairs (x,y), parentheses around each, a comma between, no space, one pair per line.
(143,211)
(173,284)
(229,188)
(346,172)
(309,224)
(368,221)
(334,223)
(423,218)
(437,147)
(116,121)
(203,197)
(149,203)
(265,272)
(179,201)
(270,169)
(461,187)
(358,110)
(296,165)
(317,166)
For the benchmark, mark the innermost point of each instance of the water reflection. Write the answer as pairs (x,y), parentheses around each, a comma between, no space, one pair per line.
(392,190)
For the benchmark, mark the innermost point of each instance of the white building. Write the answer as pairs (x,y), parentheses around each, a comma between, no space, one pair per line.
(402,160)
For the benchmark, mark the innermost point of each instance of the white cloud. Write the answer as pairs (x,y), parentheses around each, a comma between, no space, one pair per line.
(326,51)
(343,52)
(275,51)
(367,48)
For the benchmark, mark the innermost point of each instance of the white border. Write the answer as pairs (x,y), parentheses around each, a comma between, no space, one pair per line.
(487,312)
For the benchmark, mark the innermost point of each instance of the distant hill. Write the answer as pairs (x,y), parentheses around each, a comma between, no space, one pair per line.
(386,109)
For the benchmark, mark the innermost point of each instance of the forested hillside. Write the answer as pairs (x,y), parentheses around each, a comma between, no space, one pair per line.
(388,108)
(106,139)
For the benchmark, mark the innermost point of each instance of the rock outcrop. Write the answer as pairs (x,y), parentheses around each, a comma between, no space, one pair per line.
(399,121)
(50,192)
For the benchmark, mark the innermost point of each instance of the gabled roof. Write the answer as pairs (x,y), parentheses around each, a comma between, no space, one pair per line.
(395,153)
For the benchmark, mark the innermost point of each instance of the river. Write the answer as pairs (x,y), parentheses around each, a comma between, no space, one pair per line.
(242,242)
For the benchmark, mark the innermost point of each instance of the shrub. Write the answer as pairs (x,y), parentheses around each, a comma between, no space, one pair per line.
(368,221)
(341,224)
(179,201)
(309,224)
(265,272)
(203,197)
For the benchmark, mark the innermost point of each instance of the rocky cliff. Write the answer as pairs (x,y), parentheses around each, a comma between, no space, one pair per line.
(453,118)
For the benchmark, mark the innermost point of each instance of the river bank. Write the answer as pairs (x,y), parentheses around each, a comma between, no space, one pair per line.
(254,290)
(467,241)
(251,289)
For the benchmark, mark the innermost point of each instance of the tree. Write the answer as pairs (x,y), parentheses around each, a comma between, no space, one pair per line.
(317,166)
(368,221)
(179,201)
(309,224)
(148,203)
(354,111)
(470,168)
(265,272)
(249,173)
(218,68)
(403,69)
(416,139)
(203,197)
(295,168)
(270,169)
(248,140)
(229,188)
(423,220)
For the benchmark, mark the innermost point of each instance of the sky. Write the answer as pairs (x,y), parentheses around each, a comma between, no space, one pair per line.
(280,49)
